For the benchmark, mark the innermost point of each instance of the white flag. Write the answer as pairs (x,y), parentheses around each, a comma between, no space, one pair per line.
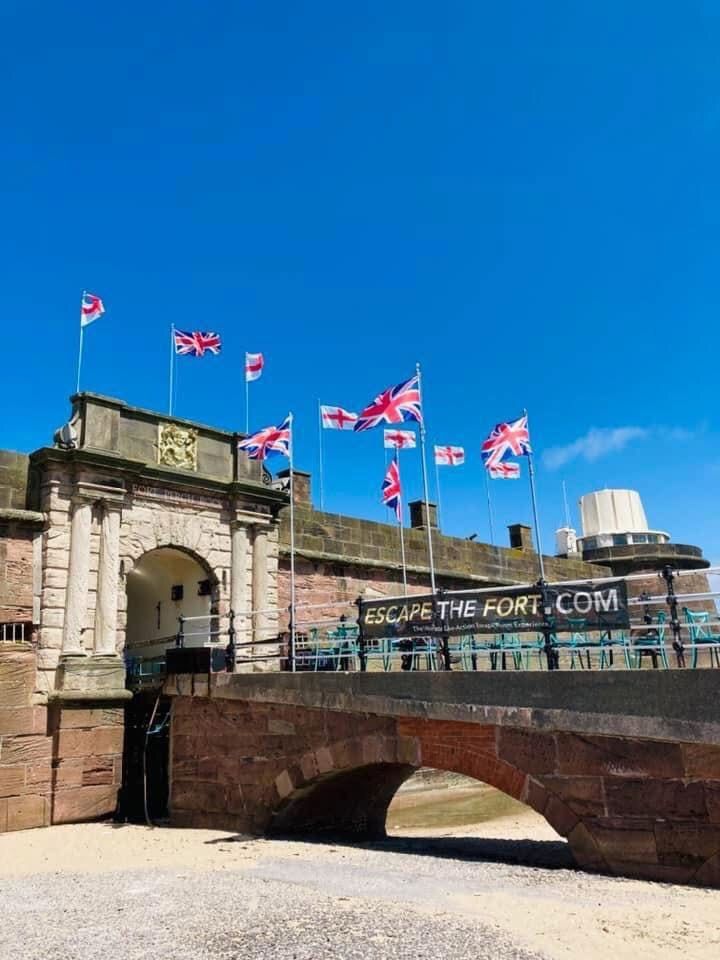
(449,456)
(400,439)
(91,308)
(335,418)
(254,363)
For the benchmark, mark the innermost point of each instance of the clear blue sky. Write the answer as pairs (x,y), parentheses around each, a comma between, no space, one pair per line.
(522,196)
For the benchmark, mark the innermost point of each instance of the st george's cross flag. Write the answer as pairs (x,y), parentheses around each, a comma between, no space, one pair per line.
(507,439)
(268,441)
(391,493)
(196,343)
(254,363)
(449,456)
(394,405)
(91,308)
(505,470)
(335,418)
(399,440)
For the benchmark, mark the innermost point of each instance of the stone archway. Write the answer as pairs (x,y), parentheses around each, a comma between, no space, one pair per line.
(167,583)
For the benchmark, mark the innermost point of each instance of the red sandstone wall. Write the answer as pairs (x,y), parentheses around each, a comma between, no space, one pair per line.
(25,747)
(628,806)
(57,765)
(16,598)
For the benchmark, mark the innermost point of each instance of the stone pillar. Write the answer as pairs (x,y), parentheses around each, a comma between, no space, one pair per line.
(76,597)
(238,581)
(108,575)
(260,582)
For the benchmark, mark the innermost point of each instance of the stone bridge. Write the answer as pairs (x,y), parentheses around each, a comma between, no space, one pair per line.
(625,765)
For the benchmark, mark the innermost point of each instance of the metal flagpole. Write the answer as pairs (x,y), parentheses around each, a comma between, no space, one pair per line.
(292,547)
(80,346)
(247,399)
(425,482)
(437,488)
(172,367)
(531,474)
(567,511)
(400,524)
(490,510)
(320,443)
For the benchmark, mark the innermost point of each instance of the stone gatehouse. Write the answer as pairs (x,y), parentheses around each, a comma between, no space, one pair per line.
(128,522)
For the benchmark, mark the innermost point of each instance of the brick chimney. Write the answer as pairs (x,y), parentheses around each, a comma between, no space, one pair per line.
(521,537)
(301,485)
(418,515)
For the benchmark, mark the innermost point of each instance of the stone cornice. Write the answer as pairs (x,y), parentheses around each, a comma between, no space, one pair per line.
(30,518)
(136,471)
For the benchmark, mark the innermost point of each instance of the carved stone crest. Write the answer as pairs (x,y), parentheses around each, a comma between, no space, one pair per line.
(177,446)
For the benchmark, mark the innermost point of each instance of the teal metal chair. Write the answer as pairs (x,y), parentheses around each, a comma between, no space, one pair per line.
(702,636)
(652,644)
(577,642)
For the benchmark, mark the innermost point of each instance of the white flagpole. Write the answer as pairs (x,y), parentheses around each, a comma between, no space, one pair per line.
(400,525)
(247,400)
(292,546)
(531,474)
(320,444)
(425,483)
(437,487)
(172,368)
(489,503)
(565,501)
(80,346)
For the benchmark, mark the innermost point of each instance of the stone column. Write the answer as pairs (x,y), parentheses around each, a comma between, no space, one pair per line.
(108,574)
(238,581)
(260,582)
(76,597)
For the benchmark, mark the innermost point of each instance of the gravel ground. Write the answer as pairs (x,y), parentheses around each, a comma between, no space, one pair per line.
(104,892)
(223,915)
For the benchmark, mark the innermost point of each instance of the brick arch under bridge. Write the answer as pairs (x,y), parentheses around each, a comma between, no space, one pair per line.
(260,757)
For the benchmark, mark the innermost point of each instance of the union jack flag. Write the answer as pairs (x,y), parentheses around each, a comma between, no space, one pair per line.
(91,308)
(196,343)
(508,439)
(394,405)
(399,440)
(449,456)
(266,442)
(391,492)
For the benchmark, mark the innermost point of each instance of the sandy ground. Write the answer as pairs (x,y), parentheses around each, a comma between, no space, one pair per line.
(468,893)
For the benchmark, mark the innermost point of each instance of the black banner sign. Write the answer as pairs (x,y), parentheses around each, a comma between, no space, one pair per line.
(505,610)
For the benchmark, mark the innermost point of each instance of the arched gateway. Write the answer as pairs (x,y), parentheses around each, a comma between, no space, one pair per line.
(149,519)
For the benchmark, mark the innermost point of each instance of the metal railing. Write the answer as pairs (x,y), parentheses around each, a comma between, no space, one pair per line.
(664,629)
(16,632)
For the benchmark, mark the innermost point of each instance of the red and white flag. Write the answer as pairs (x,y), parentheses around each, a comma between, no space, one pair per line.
(400,440)
(449,456)
(335,418)
(91,308)
(503,470)
(254,363)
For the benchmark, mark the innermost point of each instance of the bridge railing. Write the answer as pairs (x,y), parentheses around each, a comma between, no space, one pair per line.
(642,620)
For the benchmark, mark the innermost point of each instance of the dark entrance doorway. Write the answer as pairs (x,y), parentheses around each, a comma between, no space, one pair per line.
(144,793)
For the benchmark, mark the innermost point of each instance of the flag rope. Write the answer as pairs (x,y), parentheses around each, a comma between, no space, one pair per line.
(489,504)
(320,447)
(533,496)
(400,523)
(423,459)
(80,345)
(292,544)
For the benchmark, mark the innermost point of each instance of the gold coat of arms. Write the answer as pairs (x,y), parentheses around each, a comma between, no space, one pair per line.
(177,446)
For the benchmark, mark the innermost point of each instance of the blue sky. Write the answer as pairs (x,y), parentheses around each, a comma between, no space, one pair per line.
(523,197)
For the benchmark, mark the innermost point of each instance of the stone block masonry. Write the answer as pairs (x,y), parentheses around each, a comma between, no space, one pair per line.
(58,764)
(635,789)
